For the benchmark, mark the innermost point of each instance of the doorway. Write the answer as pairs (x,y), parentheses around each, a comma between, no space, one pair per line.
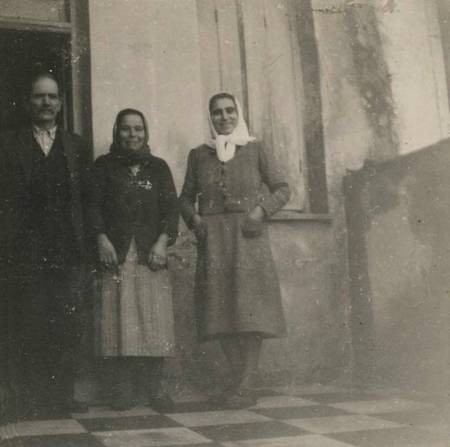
(25,52)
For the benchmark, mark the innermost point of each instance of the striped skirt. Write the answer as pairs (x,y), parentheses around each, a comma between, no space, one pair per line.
(133,311)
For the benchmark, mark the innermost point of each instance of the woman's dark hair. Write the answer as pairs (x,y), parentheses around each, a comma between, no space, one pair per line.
(218,96)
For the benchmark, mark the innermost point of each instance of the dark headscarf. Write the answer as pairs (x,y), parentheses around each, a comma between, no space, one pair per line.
(130,157)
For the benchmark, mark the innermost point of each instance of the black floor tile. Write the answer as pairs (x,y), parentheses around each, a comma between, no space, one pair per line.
(392,437)
(263,392)
(310,411)
(253,430)
(187,407)
(127,423)
(77,440)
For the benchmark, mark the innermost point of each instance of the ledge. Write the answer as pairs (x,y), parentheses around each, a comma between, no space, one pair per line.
(16,23)
(288,215)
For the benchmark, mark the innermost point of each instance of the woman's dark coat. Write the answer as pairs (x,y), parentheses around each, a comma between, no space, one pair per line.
(124,206)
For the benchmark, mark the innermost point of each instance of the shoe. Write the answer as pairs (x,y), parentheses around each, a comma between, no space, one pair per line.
(75,406)
(162,403)
(122,404)
(241,398)
(218,399)
(62,409)
(7,405)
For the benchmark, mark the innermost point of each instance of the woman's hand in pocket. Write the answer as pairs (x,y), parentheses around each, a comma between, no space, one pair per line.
(252,224)
(157,259)
(106,252)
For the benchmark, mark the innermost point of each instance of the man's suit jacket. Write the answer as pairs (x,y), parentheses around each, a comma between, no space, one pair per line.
(15,176)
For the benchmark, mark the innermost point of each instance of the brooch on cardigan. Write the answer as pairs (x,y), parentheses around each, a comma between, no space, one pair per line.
(144,184)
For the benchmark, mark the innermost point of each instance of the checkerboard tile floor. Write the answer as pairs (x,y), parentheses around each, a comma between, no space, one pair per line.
(306,416)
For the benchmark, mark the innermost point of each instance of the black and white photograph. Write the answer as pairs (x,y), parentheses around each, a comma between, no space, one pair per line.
(225,223)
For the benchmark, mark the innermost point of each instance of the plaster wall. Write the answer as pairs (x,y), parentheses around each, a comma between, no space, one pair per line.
(413,52)
(146,54)
(400,211)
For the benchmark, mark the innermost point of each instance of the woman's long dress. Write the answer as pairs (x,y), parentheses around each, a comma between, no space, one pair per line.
(236,289)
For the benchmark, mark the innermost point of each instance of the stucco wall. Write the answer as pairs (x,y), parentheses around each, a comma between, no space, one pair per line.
(145,54)
(398,223)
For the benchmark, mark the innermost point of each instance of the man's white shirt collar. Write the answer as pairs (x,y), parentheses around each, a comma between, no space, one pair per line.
(45,137)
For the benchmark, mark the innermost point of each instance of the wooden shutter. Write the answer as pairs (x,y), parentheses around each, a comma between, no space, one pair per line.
(250,48)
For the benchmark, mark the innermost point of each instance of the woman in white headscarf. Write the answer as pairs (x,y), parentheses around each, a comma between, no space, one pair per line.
(236,186)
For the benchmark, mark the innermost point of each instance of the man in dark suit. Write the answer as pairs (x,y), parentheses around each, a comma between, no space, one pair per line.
(42,253)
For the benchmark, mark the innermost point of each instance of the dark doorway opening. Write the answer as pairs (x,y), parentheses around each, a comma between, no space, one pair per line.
(25,52)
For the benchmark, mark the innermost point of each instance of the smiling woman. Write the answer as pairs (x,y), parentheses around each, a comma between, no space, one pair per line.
(238,186)
(251,48)
(224,115)
(132,132)
(133,212)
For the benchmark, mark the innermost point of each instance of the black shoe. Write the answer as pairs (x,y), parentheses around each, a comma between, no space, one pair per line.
(241,398)
(122,404)
(74,406)
(162,403)
(7,405)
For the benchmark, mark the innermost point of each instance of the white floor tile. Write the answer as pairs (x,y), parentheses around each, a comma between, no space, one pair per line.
(199,419)
(443,429)
(429,444)
(380,406)
(308,389)
(7,432)
(282,401)
(294,441)
(106,412)
(40,428)
(151,438)
(337,424)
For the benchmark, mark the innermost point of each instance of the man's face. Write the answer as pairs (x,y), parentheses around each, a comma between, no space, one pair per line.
(44,102)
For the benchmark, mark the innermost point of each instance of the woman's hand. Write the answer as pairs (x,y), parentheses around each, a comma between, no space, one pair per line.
(157,258)
(200,229)
(252,224)
(257,213)
(106,252)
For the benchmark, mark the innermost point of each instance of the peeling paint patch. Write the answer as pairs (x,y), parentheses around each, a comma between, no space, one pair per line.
(373,80)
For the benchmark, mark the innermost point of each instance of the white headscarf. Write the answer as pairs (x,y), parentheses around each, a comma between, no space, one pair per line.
(225,145)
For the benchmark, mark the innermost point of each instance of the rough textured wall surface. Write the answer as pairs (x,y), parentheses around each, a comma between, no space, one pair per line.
(362,119)
(399,235)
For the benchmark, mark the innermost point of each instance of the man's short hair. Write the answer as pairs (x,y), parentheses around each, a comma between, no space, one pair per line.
(42,74)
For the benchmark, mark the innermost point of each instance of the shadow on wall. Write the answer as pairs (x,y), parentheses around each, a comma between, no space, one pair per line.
(398,217)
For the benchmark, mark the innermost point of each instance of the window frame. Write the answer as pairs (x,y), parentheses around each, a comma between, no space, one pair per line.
(77,75)
(313,167)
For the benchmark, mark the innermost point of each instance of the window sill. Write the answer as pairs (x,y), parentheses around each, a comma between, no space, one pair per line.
(288,215)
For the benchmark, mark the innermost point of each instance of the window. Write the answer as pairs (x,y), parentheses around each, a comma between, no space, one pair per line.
(52,34)
(253,48)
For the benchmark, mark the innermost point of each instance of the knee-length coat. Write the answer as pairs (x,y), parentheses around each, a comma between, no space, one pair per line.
(236,288)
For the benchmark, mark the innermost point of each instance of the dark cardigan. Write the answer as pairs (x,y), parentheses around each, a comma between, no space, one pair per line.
(124,206)
(251,178)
